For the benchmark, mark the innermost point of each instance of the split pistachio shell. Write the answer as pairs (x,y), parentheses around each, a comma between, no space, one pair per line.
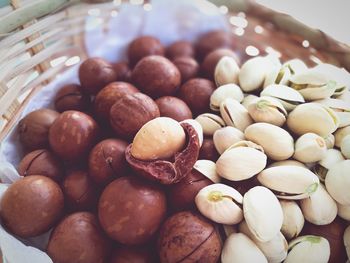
(310,249)
(338,182)
(287,163)
(312,117)
(267,109)
(278,75)
(345,147)
(293,219)
(226,71)
(220,203)
(340,134)
(263,213)
(344,211)
(198,128)
(225,137)
(319,208)
(341,109)
(208,169)
(309,148)
(278,144)
(240,248)
(234,114)
(274,250)
(210,123)
(295,66)
(289,182)
(223,92)
(290,98)
(241,161)
(330,141)
(347,240)
(248,99)
(331,158)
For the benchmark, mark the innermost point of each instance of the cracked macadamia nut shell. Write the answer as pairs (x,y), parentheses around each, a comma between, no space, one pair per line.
(72,97)
(144,46)
(174,108)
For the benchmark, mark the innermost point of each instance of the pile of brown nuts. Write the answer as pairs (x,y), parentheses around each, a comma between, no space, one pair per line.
(186,154)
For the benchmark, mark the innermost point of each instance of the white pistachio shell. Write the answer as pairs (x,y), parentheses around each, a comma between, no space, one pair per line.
(248,98)
(278,144)
(223,92)
(309,148)
(267,109)
(240,248)
(330,141)
(341,109)
(289,182)
(347,240)
(198,128)
(263,213)
(279,75)
(208,169)
(290,98)
(338,182)
(319,208)
(310,249)
(331,158)
(345,147)
(287,163)
(293,219)
(340,134)
(210,123)
(295,66)
(225,137)
(226,71)
(234,114)
(312,117)
(344,211)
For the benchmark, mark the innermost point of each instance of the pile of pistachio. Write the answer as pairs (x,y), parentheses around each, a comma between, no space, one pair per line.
(288,126)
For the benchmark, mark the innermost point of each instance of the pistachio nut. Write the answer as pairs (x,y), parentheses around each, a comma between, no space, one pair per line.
(278,75)
(340,134)
(347,240)
(341,109)
(274,250)
(198,128)
(241,161)
(287,163)
(234,114)
(293,219)
(309,148)
(330,141)
(210,123)
(225,137)
(278,144)
(263,213)
(345,147)
(289,182)
(313,85)
(344,211)
(226,71)
(312,117)
(267,109)
(248,98)
(223,92)
(338,182)
(208,169)
(319,208)
(295,66)
(240,248)
(290,98)
(332,157)
(220,203)
(310,249)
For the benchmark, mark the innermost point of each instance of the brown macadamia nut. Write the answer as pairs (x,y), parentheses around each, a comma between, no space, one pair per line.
(78,238)
(187,66)
(144,46)
(208,150)
(131,210)
(188,237)
(180,49)
(96,73)
(107,160)
(34,128)
(31,206)
(73,134)
(41,162)
(132,255)
(174,108)
(131,112)
(156,76)
(123,71)
(72,97)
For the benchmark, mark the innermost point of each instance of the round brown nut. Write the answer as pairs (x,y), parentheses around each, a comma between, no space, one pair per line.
(131,210)
(123,71)
(109,95)
(31,206)
(173,107)
(41,162)
(144,46)
(78,238)
(107,160)
(187,66)
(73,134)
(188,237)
(79,191)
(72,97)
(180,49)
(34,128)
(132,255)
(131,112)
(208,150)
(96,73)
(196,93)
(156,76)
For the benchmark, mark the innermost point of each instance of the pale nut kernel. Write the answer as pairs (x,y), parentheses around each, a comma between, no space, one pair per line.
(223,92)
(309,148)
(330,141)
(293,219)
(340,134)
(159,138)
(234,114)
(208,169)
(345,147)
(198,128)
(210,123)
(226,71)
(338,182)
(225,137)
(220,203)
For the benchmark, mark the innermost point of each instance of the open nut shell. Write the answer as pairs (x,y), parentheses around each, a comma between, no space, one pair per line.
(248,99)
(295,66)
(210,123)
(341,109)
(332,157)
(293,219)
(234,114)
(338,182)
(223,92)
(225,137)
(226,71)
(279,75)
(309,148)
(208,169)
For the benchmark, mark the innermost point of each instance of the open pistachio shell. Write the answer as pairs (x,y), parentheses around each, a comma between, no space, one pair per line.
(340,134)
(293,219)
(208,169)
(234,114)
(263,213)
(210,123)
(248,99)
(287,163)
(344,211)
(310,249)
(312,117)
(338,182)
(347,240)
(295,66)
(226,71)
(289,182)
(309,148)
(278,144)
(279,75)
(330,141)
(332,157)
(198,128)
(223,92)
(341,109)
(345,147)
(225,137)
